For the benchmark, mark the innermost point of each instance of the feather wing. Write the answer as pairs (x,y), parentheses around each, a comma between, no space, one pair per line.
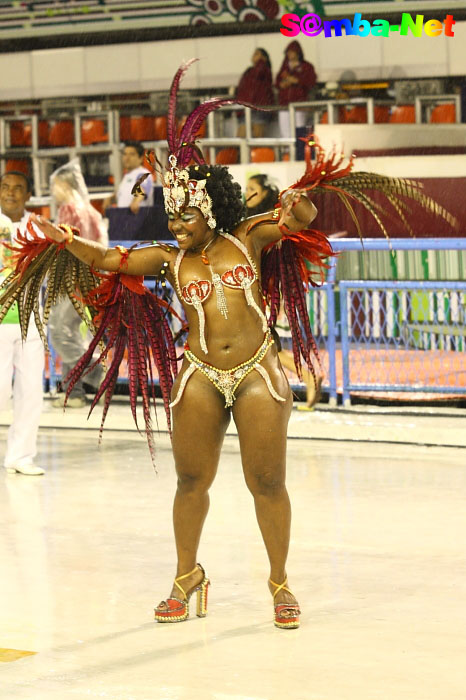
(42,265)
(130,321)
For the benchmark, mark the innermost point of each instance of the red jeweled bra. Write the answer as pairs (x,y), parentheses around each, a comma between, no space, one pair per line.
(241,276)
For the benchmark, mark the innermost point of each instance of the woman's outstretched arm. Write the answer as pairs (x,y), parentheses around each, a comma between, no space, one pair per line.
(297,213)
(144,261)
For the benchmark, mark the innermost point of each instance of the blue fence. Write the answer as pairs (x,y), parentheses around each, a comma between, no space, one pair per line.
(393,336)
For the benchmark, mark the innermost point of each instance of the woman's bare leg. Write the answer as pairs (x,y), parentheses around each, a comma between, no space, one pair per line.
(262,424)
(200,421)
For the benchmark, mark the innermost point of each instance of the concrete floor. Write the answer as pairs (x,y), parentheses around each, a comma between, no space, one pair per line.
(377,561)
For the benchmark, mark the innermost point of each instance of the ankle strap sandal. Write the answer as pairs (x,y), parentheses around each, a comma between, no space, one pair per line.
(286,614)
(177,609)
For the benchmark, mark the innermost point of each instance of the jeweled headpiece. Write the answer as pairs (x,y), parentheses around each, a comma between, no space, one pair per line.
(179,190)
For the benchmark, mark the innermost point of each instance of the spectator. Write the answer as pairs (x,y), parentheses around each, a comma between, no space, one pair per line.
(294,81)
(74,208)
(133,155)
(22,360)
(261,195)
(255,86)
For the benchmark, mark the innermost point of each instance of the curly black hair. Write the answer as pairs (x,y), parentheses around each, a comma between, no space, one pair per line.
(227,204)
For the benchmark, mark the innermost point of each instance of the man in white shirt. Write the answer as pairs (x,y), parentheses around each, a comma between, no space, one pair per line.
(24,361)
(133,155)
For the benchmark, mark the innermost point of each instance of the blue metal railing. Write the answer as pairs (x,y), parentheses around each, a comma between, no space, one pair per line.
(425,322)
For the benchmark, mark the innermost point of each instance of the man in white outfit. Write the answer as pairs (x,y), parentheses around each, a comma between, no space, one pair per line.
(20,363)
(132,158)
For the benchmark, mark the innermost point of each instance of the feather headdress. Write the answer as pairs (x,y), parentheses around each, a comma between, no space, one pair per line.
(179,190)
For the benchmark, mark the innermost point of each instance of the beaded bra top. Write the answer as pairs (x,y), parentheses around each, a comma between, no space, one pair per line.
(241,276)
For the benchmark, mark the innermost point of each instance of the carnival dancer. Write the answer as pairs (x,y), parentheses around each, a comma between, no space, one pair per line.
(228,273)
(230,368)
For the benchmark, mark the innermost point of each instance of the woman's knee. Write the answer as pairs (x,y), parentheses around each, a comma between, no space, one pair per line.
(269,482)
(193,483)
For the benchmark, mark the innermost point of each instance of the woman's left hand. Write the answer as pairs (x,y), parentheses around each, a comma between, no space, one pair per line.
(293,198)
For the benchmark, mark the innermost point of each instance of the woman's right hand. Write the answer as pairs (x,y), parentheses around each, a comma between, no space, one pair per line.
(49,230)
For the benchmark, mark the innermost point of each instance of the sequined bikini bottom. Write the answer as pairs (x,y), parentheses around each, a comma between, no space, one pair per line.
(228,380)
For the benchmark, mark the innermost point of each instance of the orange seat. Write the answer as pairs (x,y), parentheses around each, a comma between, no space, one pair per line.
(160,126)
(93,131)
(356,114)
(142,128)
(403,114)
(125,128)
(62,134)
(341,116)
(381,114)
(443,114)
(20,164)
(20,133)
(262,155)
(227,156)
(43,132)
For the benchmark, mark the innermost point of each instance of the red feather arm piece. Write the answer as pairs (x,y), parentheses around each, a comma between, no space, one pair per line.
(328,173)
(40,263)
(286,277)
(130,318)
(285,273)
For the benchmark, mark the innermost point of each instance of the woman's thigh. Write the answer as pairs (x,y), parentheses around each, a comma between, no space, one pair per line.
(262,424)
(200,420)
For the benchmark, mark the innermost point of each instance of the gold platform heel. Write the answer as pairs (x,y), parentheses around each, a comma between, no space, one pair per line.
(288,621)
(177,610)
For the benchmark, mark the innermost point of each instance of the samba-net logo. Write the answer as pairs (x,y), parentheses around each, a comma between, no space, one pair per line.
(312,25)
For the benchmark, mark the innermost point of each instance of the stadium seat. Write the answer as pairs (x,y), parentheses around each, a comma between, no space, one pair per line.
(355,114)
(403,114)
(125,128)
(340,116)
(62,134)
(381,114)
(44,127)
(20,133)
(262,155)
(443,114)
(20,164)
(160,126)
(227,156)
(93,131)
(142,128)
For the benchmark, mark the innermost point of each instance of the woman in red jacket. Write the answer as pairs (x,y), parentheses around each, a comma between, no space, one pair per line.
(294,81)
(255,86)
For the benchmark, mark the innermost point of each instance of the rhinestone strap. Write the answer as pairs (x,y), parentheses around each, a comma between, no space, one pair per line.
(178,260)
(266,377)
(246,284)
(243,249)
(184,379)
